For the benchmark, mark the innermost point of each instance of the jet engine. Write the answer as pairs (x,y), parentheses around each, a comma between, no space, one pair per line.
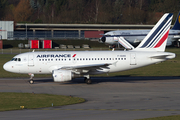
(108,40)
(62,75)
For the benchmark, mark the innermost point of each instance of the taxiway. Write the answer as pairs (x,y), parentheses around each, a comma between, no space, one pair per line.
(121,98)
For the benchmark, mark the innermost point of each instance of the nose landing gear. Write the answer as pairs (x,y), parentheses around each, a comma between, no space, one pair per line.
(31,78)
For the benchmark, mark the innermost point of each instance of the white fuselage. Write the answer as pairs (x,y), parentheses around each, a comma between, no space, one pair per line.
(46,62)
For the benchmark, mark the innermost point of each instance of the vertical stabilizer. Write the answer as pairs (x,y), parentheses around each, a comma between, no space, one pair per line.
(177,23)
(156,39)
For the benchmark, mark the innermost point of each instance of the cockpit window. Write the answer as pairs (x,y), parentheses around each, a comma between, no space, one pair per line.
(19,59)
(12,59)
(16,59)
(108,35)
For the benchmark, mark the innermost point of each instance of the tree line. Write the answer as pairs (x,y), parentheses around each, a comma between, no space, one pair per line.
(87,11)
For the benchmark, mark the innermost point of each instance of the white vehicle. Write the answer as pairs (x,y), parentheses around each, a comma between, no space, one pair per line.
(134,37)
(64,65)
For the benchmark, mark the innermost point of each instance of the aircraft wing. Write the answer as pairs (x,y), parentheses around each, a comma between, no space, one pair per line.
(88,67)
(84,69)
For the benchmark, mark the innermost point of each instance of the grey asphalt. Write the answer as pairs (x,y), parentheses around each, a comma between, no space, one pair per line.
(116,98)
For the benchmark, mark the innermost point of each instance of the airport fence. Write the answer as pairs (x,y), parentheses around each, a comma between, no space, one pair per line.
(22,35)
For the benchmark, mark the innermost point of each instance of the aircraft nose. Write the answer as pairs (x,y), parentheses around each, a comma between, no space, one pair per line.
(102,39)
(6,66)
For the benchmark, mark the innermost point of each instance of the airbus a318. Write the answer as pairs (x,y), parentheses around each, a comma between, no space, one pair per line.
(65,65)
(134,37)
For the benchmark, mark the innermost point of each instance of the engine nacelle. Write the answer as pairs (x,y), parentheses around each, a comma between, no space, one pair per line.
(62,75)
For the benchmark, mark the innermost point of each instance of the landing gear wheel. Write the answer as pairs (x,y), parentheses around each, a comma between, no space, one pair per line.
(31,81)
(88,81)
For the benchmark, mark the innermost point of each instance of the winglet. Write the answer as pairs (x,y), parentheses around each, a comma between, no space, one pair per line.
(157,38)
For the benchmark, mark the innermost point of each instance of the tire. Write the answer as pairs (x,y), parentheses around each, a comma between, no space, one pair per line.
(31,81)
(88,81)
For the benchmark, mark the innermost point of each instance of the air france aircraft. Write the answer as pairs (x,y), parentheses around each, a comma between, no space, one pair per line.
(65,65)
(136,36)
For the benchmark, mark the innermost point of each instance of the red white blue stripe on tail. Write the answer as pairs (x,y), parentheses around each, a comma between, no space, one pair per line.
(157,37)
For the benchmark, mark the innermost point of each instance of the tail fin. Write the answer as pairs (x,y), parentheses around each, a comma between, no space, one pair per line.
(156,39)
(177,23)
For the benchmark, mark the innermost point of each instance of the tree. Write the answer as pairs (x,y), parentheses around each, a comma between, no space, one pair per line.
(23,11)
(3,4)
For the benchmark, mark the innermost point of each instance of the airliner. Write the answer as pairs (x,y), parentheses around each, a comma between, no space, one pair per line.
(136,36)
(65,65)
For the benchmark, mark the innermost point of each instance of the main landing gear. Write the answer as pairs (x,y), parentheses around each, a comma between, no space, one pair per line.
(31,79)
(87,79)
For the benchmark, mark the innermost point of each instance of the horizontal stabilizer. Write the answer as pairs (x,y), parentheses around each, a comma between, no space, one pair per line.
(125,44)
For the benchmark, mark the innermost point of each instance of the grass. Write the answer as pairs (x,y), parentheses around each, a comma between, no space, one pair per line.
(173,117)
(13,101)
(161,69)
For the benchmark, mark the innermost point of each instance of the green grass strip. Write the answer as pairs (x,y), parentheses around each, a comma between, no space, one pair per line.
(13,101)
(173,117)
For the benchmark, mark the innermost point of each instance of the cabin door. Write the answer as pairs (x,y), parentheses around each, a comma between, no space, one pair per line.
(30,60)
(133,59)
